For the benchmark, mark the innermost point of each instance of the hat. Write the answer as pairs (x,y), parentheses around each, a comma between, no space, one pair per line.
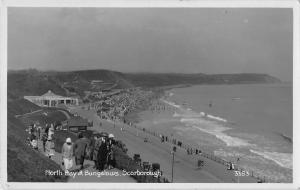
(68,140)
(111,136)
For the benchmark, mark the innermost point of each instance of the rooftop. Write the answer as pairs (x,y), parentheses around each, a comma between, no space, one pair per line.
(51,94)
(77,121)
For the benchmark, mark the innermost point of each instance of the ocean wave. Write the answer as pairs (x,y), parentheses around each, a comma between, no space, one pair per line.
(216,130)
(213,117)
(283,159)
(171,103)
(187,115)
(208,124)
(228,140)
(190,113)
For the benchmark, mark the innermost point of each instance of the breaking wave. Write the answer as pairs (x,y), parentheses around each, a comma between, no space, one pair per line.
(283,159)
(217,131)
(208,124)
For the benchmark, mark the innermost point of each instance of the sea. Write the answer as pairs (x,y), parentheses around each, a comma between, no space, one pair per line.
(250,124)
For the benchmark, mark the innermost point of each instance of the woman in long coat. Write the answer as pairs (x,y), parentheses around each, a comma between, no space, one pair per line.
(50,147)
(67,154)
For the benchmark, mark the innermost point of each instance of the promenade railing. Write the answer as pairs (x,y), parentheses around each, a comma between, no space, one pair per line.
(172,140)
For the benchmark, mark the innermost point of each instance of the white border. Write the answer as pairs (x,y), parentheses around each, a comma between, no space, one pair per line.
(152,3)
(136,4)
(3,92)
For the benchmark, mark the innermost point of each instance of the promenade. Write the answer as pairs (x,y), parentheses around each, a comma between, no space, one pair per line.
(185,166)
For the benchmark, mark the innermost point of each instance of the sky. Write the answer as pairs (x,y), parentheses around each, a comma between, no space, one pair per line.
(180,40)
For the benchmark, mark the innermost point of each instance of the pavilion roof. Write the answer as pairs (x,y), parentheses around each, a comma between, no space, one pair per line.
(50,94)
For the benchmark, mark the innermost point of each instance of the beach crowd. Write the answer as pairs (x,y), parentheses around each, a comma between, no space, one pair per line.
(118,105)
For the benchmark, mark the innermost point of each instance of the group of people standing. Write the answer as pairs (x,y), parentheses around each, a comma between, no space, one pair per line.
(34,132)
(45,134)
(100,149)
(103,151)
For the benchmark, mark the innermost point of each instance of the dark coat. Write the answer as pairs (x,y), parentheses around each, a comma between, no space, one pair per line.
(80,147)
(102,153)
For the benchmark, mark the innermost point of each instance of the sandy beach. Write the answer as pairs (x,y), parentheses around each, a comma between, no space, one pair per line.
(153,151)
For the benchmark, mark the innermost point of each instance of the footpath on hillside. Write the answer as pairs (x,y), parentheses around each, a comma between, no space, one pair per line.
(185,167)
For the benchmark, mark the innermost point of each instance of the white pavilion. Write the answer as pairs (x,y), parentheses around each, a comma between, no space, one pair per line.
(50,99)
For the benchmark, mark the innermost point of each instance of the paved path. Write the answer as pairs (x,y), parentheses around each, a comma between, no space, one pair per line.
(185,169)
(25,114)
(65,113)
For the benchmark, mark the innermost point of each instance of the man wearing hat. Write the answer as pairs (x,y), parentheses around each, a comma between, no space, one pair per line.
(98,142)
(67,154)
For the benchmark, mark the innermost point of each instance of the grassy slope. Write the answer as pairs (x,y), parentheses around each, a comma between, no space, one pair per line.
(23,163)
(26,83)
(20,106)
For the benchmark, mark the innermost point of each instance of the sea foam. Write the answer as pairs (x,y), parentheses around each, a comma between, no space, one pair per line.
(208,124)
(217,131)
(283,159)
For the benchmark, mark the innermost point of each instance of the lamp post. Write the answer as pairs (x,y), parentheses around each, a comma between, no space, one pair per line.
(173,155)
(238,175)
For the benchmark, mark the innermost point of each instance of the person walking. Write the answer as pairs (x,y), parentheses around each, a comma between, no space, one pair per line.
(67,154)
(111,151)
(39,132)
(80,146)
(44,140)
(50,147)
(51,131)
(97,145)
(102,154)
(47,128)
(33,142)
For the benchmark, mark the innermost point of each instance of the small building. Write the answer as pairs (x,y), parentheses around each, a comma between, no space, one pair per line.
(76,124)
(50,99)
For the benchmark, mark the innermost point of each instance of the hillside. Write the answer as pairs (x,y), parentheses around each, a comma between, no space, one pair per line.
(31,82)
(74,83)
(23,163)
(166,79)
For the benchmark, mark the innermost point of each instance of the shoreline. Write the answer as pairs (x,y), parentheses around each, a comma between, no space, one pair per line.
(142,116)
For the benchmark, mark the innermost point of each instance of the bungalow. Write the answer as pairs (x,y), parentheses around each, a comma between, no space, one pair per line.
(50,99)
